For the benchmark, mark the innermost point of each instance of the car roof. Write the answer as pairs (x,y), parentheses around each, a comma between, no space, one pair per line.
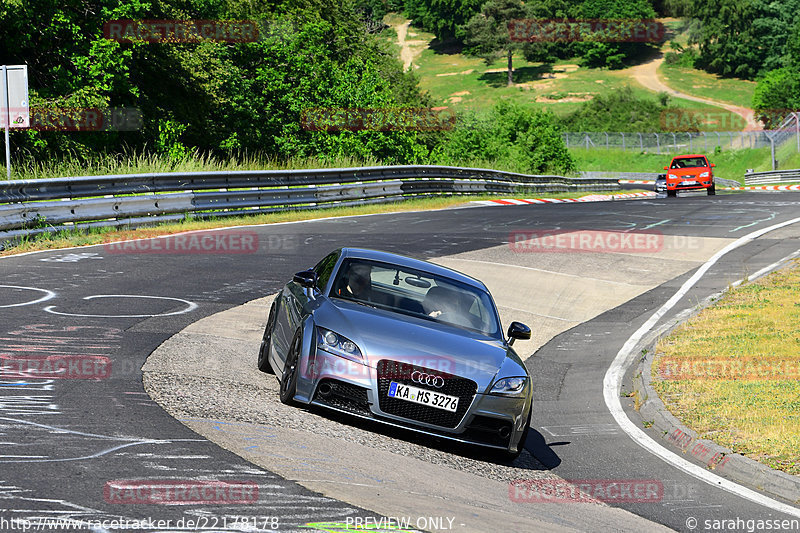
(688,155)
(410,262)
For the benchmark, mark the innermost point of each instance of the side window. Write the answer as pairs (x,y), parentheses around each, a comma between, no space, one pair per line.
(324,269)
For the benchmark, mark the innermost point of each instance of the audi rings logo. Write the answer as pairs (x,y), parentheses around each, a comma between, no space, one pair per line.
(427,379)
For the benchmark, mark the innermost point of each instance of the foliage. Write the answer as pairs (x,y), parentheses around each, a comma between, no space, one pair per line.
(620,111)
(599,53)
(777,93)
(685,58)
(486,34)
(211,97)
(510,136)
(744,38)
(442,17)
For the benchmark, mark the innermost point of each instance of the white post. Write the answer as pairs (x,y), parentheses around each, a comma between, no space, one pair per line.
(6,120)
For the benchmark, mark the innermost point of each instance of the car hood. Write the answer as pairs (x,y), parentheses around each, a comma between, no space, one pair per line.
(383,334)
(693,171)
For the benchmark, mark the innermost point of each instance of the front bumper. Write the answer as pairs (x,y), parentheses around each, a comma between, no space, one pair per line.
(359,390)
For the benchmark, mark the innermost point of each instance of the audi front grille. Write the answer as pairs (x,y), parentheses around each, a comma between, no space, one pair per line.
(399,372)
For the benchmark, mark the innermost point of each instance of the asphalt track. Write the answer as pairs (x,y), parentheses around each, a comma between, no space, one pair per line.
(66,441)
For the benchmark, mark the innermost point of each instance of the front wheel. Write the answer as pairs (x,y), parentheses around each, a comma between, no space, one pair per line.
(512,456)
(671,194)
(712,190)
(263,352)
(289,377)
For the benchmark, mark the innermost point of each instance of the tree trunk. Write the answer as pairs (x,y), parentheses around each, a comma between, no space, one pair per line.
(510,70)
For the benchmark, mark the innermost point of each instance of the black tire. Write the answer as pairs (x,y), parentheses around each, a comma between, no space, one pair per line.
(289,377)
(712,190)
(671,194)
(263,352)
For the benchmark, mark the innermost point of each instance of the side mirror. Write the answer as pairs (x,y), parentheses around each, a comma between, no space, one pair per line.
(666,168)
(713,165)
(306,278)
(518,330)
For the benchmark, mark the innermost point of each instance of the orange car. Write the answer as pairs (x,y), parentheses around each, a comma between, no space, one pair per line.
(690,172)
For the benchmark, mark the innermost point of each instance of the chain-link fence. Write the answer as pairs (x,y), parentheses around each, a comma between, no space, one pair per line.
(689,142)
(667,143)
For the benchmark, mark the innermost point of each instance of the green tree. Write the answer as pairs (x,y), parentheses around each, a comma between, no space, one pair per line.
(442,17)
(599,52)
(486,34)
(744,38)
(776,95)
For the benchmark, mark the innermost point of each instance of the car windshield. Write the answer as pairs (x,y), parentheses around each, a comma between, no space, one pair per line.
(416,293)
(689,162)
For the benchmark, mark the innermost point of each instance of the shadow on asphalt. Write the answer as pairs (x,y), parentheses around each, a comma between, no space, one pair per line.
(538,447)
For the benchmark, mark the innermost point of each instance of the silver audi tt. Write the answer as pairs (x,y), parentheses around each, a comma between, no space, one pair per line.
(403,342)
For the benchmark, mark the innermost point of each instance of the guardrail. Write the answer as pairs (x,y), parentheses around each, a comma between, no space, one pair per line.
(29,207)
(771,177)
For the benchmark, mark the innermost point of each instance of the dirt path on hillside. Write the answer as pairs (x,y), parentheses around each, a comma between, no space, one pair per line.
(407,55)
(647,76)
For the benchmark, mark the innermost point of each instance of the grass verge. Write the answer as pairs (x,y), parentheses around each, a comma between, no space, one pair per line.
(730,164)
(704,85)
(72,238)
(732,373)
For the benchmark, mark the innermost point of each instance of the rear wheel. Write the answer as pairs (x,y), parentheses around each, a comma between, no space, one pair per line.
(263,352)
(289,377)
(712,190)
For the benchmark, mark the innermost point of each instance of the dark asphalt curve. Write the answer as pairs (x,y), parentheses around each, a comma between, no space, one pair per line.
(79,447)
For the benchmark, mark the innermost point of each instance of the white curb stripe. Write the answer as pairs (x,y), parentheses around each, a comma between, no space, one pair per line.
(613,380)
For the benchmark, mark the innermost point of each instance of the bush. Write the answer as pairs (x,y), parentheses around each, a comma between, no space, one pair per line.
(686,58)
(511,137)
(622,111)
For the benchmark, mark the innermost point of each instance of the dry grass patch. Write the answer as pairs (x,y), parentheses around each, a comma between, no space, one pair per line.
(732,373)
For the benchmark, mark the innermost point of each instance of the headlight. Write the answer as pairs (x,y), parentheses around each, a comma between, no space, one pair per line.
(705,174)
(671,176)
(510,386)
(338,345)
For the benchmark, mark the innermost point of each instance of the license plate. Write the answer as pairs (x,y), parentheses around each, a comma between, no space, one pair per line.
(422,396)
(688,183)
